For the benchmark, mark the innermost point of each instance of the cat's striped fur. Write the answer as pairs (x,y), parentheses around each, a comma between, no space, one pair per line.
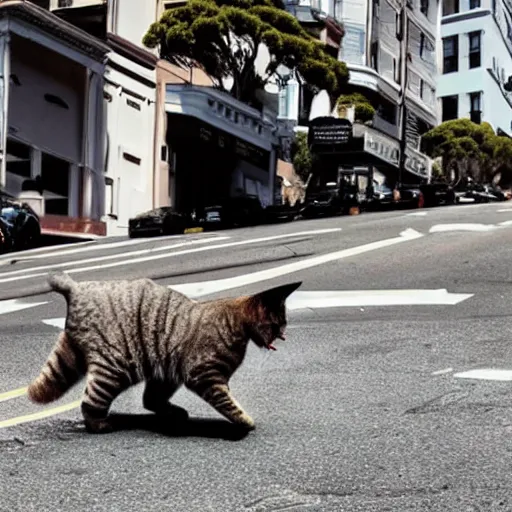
(119,333)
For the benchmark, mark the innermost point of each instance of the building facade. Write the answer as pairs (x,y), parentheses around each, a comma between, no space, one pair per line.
(477,61)
(143,167)
(130,100)
(389,47)
(51,107)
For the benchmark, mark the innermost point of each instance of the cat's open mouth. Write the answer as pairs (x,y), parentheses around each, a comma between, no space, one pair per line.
(281,336)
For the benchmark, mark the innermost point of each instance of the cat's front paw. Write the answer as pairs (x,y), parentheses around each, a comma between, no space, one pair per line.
(99,427)
(246,422)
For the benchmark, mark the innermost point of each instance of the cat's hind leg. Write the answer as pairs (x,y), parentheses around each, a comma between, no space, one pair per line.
(104,385)
(218,395)
(156,398)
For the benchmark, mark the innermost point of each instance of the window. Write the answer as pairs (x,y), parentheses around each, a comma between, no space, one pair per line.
(450,107)
(387,111)
(450,54)
(474,50)
(424,7)
(422,89)
(474,4)
(475,113)
(173,5)
(374,56)
(450,7)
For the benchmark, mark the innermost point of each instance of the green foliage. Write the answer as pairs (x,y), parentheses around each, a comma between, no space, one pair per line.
(364,110)
(302,158)
(469,150)
(224,36)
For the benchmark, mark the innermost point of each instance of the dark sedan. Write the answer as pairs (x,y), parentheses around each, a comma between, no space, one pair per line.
(160,221)
(19,224)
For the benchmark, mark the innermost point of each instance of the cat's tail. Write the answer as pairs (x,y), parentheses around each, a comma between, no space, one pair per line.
(61,283)
(63,368)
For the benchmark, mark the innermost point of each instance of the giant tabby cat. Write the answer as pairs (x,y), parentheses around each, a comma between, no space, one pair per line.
(119,333)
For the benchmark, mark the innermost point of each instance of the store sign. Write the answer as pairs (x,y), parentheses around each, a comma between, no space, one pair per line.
(383,147)
(418,163)
(329,131)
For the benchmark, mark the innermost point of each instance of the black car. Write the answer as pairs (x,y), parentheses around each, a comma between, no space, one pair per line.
(438,194)
(160,221)
(232,212)
(477,193)
(19,224)
(5,237)
(383,197)
(327,201)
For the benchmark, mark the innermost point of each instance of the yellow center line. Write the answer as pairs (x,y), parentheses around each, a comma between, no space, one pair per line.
(14,393)
(46,413)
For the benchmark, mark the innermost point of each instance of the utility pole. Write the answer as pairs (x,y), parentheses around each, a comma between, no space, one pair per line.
(405,74)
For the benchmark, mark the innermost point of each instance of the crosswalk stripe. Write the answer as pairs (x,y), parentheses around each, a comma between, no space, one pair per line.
(55,322)
(486,374)
(12,305)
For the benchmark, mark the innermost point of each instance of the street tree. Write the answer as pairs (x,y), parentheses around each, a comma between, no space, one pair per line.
(302,158)
(227,39)
(470,150)
(363,109)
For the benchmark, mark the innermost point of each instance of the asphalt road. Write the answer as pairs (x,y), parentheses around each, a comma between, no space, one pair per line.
(367,406)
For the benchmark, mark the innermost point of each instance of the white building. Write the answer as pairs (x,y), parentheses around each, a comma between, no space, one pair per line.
(477,61)
(130,102)
(51,94)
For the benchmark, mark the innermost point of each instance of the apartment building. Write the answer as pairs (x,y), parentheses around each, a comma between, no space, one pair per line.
(477,62)
(389,47)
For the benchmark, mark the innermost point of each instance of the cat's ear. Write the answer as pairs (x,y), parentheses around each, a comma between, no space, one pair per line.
(275,297)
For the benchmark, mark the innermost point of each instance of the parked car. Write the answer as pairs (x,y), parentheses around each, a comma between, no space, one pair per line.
(327,201)
(5,237)
(160,221)
(438,194)
(411,196)
(20,225)
(232,212)
(477,193)
(281,213)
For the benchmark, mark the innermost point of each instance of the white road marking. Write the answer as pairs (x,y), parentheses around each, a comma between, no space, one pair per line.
(9,306)
(158,256)
(208,287)
(89,246)
(443,372)
(443,228)
(48,251)
(506,223)
(416,214)
(504,210)
(486,374)
(3,275)
(354,298)
(56,322)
